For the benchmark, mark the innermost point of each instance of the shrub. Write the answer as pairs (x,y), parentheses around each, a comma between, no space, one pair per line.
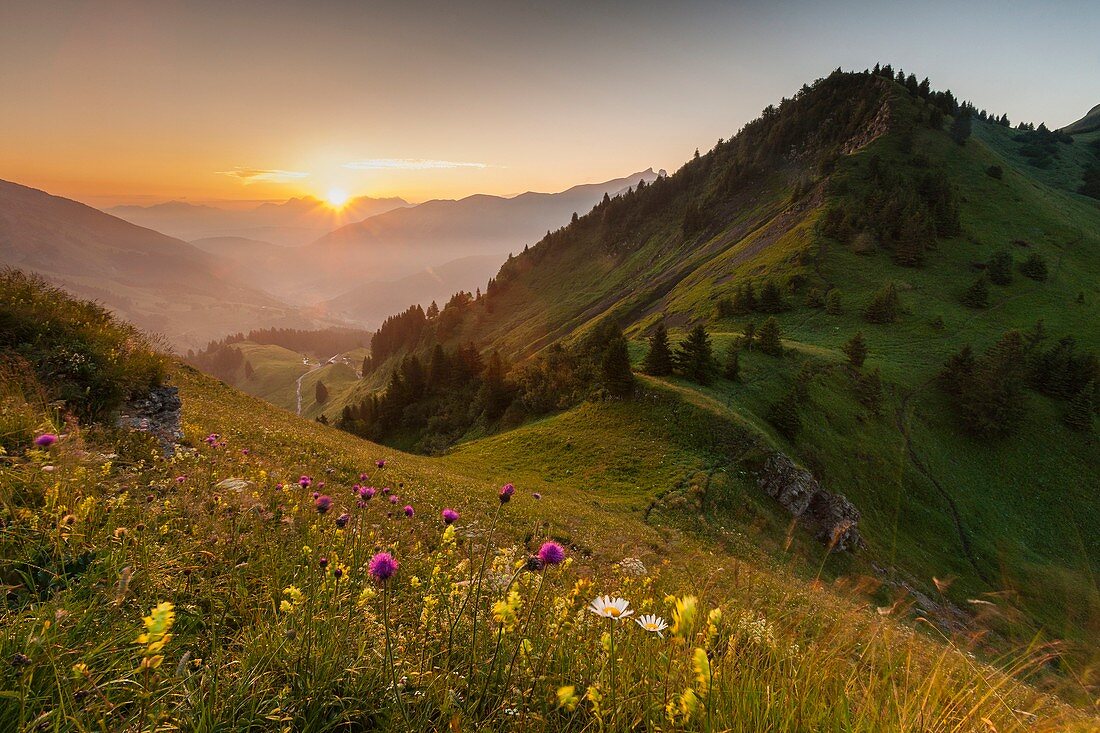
(995,171)
(784,416)
(999,268)
(78,351)
(834,305)
(768,338)
(885,305)
(1034,267)
(855,349)
(977,295)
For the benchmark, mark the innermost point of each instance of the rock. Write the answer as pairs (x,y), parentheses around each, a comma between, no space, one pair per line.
(831,517)
(156,413)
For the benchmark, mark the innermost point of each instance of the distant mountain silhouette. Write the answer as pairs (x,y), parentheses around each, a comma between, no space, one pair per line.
(162,284)
(293,222)
(403,241)
(1088,123)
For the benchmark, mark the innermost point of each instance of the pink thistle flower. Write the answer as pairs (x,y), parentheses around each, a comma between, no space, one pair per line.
(45,440)
(393,499)
(450,516)
(506,492)
(322,503)
(409,511)
(180,479)
(383,567)
(305,482)
(381,463)
(342,520)
(368,493)
(551,553)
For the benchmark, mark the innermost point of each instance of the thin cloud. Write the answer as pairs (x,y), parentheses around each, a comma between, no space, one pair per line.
(408,164)
(263,175)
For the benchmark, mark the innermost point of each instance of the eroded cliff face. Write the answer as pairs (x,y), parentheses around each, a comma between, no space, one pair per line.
(831,518)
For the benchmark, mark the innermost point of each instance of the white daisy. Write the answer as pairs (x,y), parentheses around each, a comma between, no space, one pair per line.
(652,623)
(608,607)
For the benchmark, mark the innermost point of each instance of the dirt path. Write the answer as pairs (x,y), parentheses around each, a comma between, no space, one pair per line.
(298,384)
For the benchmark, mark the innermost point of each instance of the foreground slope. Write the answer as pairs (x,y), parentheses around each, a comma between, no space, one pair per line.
(265,615)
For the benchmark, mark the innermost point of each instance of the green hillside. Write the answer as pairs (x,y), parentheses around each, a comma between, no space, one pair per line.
(209,589)
(853,185)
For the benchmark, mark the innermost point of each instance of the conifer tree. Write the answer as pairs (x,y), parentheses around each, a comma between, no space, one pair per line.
(658,360)
(834,305)
(248,370)
(1034,267)
(771,298)
(855,349)
(885,305)
(977,295)
(618,379)
(744,299)
(748,337)
(784,416)
(731,370)
(768,338)
(869,391)
(999,268)
(695,357)
(1079,416)
(960,127)
(320,392)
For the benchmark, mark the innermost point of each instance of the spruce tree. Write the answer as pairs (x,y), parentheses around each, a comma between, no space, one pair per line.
(1079,415)
(695,357)
(784,416)
(618,379)
(869,391)
(960,126)
(977,295)
(320,392)
(855,349)
(834,304)
(658,360)
(748,337)
(771,298)
(744,299)
(768,338)
(1034,267)
(885,306)
(731,370)
(248,370)
(999,268)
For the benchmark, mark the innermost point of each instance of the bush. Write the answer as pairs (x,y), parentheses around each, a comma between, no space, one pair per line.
(885,305)
(784,416)
(1034,267)
(834,305)
(768,338)
(977,295)
(78,351)
(995,171)
(999,268)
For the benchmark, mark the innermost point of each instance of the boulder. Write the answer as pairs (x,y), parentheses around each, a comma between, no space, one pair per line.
(157,413)
(831,517)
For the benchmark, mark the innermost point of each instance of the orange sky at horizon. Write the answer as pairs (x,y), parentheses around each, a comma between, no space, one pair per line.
(125,101)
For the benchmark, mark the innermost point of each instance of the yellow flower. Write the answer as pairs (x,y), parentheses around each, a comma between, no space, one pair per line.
(567,698)
(506,612)
(366,597)
(683,617)
(689,704)
(158,627)
(702,670)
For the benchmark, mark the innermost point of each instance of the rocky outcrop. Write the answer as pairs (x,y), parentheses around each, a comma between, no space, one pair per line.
(831,517)
(156,413)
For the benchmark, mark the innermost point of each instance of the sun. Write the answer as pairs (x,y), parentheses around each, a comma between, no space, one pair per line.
(336,198)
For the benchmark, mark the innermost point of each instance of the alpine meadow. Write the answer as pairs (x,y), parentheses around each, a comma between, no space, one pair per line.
(798,434)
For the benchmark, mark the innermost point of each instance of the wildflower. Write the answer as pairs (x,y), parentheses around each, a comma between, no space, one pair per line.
(653,624)
(365,597)
(393,499)
(381,463)
(536,495)
(506,611)
(551,553)
(158,627)
(608,607)
(532,564)
(338,572)
(80,669)
(323,563)
(305,481)
(448,541)
(409,511)
(245,451)
(702,670)
(45,440)
(180,479)
(383,567)
(506,492)
(342,520)
(322,503)
(211,439)
(450,516)
(368,493)
(20,660)
(567,698)
(689,704)
(683,617)
(362,477)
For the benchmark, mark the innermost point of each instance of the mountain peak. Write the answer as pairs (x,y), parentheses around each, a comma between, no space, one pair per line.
(1089,123)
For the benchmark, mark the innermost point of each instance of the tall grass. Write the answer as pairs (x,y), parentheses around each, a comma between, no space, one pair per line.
(276,623)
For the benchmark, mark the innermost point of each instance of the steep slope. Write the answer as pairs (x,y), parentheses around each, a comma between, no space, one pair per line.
(403,241)
(160,283)
(1089,123)
(847,188)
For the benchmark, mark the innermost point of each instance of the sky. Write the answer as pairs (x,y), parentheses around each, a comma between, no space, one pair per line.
(145,101)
